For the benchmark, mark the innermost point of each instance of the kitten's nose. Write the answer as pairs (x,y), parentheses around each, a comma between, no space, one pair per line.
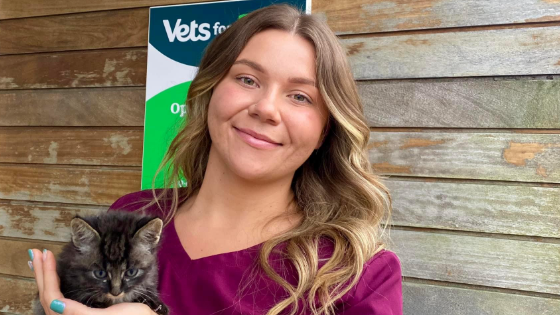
(116,291)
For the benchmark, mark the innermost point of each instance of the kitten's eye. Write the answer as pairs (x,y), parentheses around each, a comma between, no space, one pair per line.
(99,274)
(132,272)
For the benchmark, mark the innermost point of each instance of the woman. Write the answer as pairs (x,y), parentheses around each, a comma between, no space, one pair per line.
(282,214)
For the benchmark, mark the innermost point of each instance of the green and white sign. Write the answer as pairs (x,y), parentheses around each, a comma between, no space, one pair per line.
(178,35)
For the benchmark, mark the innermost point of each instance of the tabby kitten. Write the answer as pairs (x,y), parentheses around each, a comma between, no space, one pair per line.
(111,259)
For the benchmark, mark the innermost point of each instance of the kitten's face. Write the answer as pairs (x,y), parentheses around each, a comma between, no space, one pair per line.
(114,262)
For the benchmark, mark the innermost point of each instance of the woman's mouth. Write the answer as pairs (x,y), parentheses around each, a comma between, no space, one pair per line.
(255,139)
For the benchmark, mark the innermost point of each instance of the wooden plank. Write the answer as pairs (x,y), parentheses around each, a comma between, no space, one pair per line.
(14,256)
(22,8)
(462,103)
(367,16)
(343,16)
(97,186)
(426,299)
(17,295)
(73,107)
(41,221)
(492,262)
(491,156)
(96,68)
(96,30)
(81,146)
(519,51)
(476,207)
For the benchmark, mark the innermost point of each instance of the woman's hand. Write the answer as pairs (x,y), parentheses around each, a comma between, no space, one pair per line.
(53,302)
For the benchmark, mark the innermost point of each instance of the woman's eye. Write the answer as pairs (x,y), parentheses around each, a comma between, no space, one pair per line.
(99,274)
(301,98)
(247,81)
(132,272)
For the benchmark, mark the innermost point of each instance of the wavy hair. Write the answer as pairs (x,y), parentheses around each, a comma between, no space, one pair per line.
(336,191)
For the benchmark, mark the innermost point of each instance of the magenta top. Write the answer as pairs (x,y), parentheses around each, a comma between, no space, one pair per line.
(222,284)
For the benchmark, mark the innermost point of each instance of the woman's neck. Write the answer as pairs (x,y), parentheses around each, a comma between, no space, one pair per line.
(227,201)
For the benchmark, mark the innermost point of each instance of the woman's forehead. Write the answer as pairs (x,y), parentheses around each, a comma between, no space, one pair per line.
(280,52)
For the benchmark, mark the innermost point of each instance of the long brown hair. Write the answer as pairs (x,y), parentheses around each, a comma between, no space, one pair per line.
(335,190)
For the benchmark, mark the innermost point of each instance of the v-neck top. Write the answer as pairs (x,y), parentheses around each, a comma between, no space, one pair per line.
(232,284)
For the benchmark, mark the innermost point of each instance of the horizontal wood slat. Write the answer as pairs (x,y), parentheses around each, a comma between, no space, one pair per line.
(493,262)
(82,185)
(73,107)
(17,295)
(459,103)
(82,146)
(358,16)
(113,67)
(520,51)
(520,210)
(367,16)
(96,30)
(462,103)
(491,156)
(425,299)
(17,9)
(14,256)
(40,221)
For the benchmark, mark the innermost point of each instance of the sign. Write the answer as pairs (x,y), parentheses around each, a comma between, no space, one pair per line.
(178,35)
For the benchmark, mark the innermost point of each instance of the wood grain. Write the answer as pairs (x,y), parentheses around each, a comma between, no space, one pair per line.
(462,103)
(96,30)
(17,295)
(367,16)
(519,210)
(17,9)
(96,68)
(343,17)
(491,156)
(14,256)
(41,221)
(82,146)
(520,51)
(119,107)
(493,262)
(425,299)
(82,185)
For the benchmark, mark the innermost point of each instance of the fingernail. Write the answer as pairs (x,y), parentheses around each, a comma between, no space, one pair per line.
(57,306)
(30,252)
(44,254)
(30,264)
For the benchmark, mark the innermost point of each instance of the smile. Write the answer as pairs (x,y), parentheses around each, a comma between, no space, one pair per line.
(256,140)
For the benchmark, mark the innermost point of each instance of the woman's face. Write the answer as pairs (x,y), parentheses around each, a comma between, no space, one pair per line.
(266,116)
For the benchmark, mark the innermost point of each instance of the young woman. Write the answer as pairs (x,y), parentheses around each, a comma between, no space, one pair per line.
(282,213)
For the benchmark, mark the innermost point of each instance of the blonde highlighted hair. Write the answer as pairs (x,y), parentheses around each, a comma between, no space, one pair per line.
(335,190)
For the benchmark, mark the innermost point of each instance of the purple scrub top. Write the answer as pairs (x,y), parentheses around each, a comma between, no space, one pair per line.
(229,283)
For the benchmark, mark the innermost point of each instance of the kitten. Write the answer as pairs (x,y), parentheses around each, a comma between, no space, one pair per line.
(111,259)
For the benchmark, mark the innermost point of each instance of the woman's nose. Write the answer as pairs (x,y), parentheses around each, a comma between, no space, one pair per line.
(266,109)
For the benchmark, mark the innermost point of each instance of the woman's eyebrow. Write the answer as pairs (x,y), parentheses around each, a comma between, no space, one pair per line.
(258,67)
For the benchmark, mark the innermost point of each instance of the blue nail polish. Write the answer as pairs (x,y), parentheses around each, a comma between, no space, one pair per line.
(30,264)
(30,252)
(57,306)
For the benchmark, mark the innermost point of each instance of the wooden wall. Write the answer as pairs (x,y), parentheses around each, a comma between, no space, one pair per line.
(463,100)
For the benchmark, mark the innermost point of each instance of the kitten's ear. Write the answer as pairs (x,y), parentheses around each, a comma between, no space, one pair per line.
(149,234)
(83,235)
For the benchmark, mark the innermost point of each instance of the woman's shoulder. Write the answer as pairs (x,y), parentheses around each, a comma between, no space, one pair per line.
(137,200)
(379,290)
